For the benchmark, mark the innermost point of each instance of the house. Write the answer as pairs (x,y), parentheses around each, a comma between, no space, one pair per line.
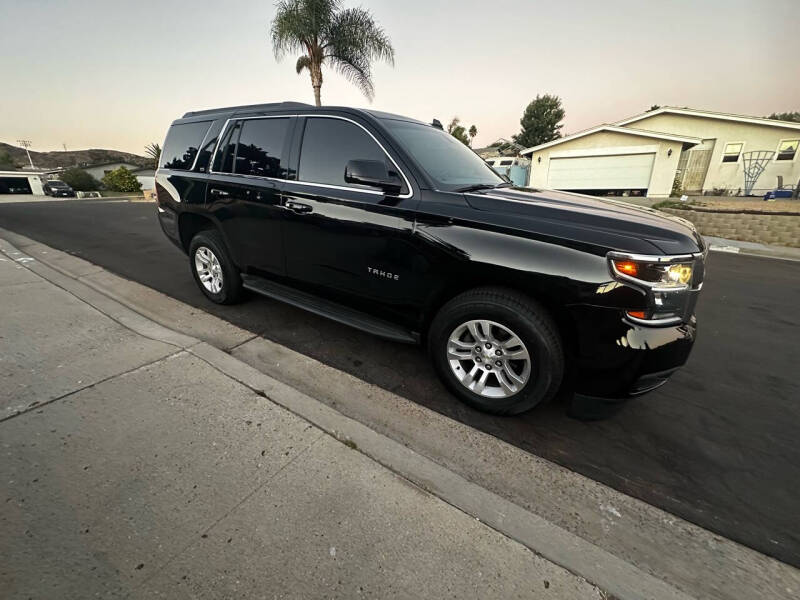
(146,177)
(99,170)
(25,181)
(501,147)
(694,151)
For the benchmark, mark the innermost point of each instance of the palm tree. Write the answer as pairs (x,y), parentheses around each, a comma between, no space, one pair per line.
(153,150)
(458,131)
(346,39)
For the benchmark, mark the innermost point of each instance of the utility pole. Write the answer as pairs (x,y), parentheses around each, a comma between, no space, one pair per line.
(26,144)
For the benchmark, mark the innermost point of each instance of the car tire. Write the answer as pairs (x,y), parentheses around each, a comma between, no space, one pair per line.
(212,268)
(473,338)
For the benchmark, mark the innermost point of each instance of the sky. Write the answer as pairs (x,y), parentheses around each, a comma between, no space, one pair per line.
(114,74)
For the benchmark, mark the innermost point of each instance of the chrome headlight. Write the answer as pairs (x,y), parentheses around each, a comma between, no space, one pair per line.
(669,283)
(655,274)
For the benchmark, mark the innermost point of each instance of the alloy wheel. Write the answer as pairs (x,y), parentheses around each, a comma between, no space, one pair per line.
(488,358)
(209,271)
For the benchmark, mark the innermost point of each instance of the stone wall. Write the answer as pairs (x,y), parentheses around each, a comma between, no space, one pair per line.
(781,230)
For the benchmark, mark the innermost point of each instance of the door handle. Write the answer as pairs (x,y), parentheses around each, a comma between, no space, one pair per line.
(298,207)
(219,193)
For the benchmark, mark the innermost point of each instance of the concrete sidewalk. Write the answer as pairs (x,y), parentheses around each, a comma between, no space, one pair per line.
(628,549)
(133,466)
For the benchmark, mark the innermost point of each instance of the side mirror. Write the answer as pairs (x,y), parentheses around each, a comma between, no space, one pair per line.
(374,174)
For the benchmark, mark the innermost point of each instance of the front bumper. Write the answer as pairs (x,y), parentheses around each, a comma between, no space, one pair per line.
(615,358)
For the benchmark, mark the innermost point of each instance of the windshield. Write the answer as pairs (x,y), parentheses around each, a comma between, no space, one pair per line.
(57,183)
(449,163)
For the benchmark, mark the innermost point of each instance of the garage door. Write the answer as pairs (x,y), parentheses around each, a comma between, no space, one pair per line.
(617,172)
(14,185)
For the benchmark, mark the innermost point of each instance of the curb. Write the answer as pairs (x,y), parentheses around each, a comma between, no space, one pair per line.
(718,244)
(621,578)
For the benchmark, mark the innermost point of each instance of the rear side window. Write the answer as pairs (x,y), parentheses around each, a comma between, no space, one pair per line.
(223,161)
(260,147)
(329,144)
(182,144)
(204,156)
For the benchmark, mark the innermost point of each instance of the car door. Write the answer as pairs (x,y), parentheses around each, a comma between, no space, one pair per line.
(244,191)
(344,240)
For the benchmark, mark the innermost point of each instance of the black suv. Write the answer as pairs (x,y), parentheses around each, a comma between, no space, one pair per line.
(395,227)
(56,188)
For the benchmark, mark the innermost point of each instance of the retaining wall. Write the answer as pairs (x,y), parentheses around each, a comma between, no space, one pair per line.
(781,230)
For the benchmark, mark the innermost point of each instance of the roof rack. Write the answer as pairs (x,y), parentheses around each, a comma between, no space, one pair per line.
(271,105)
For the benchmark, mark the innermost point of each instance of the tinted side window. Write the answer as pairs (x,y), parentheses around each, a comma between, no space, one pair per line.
(209,143)
(260,146)
(328,145)
(182,143)
(223,160)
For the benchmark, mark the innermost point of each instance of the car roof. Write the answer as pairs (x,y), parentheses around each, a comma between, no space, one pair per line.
(231,111)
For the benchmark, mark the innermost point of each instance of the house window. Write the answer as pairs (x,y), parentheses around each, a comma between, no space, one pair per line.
(732,152)
(787,149)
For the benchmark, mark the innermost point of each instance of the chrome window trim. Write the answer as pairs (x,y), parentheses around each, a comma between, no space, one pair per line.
(344,187)
(224,130)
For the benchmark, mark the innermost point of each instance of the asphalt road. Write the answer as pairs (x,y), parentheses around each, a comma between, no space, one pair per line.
(718,445)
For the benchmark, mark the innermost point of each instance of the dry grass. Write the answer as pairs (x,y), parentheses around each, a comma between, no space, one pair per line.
(746,204)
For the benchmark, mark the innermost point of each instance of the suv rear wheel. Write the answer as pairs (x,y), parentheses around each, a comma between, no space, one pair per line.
(497,350)
(213,269)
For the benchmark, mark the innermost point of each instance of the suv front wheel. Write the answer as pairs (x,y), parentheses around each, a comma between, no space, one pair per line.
(497,350)
(213,269)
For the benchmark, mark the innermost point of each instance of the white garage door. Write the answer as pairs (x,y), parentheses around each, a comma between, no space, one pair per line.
(617,172)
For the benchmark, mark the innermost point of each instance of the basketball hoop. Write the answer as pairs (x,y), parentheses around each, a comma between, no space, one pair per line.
(754,163)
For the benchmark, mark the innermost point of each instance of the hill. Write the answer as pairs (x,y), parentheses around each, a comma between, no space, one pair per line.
(71,158)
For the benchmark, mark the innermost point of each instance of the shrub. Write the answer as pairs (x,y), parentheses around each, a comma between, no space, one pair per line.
(121,180)
(677,190)
(672,204)
(79,180)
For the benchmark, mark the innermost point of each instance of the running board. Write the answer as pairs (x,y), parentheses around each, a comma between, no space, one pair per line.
(329,309)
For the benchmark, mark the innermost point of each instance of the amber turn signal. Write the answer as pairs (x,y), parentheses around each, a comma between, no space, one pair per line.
(627,267)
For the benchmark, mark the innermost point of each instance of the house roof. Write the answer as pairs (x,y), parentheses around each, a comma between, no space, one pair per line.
(616,129)
(25,173)
(111,162)
(710,115)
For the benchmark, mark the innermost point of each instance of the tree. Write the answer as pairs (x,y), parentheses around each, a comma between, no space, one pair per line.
(121,180)
(348,40)
(473,131)
(80,180)
(459,132)
(153,150)
(7,163)
(786,116)
(541,121)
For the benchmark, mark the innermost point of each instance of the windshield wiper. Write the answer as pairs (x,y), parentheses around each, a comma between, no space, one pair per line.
(482,186)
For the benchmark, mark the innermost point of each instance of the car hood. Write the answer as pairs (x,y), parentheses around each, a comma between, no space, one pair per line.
(604,222)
